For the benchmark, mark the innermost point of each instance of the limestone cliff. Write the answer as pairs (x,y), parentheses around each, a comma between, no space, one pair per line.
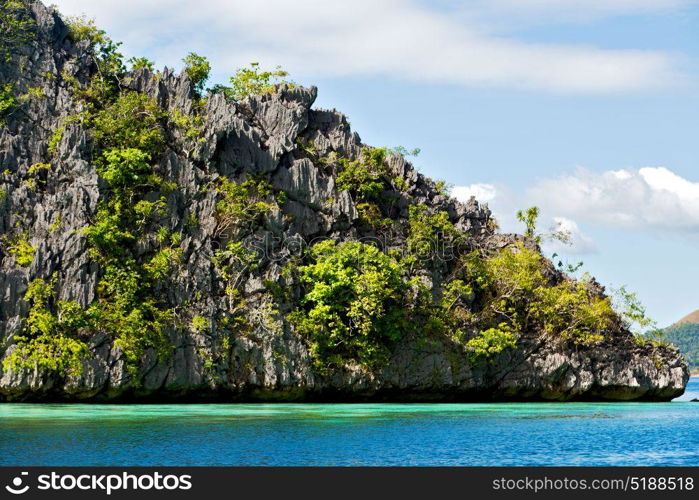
(52,190)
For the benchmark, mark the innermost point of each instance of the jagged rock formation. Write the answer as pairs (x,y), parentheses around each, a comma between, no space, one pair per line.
(261,136)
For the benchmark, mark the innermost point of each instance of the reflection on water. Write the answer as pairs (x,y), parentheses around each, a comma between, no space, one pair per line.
(358,434)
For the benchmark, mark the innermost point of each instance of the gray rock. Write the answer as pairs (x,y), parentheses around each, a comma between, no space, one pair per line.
(268,360)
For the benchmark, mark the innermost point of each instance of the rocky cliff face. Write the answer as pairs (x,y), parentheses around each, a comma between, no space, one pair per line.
(52,190)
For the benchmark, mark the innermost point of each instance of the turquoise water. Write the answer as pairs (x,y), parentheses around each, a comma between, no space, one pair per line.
(357,434)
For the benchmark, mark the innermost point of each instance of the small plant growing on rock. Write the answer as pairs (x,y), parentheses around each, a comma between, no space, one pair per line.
(430,235)
(197,68)
(21,250)
(7,101)
(492,341)
(141,63)
(199,324)
(241,204)
(365,176)
(529,218)
(633,314)
(252,81)
(443,187)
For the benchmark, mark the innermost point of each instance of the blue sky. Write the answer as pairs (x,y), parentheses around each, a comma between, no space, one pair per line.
(586,108)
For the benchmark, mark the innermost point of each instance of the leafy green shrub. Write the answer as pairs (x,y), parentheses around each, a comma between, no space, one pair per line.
(146,210)
(141,63)
(430,234)
(39,167)
(133,121)
(251,81)
(190,124)
(38,175)
(199,324)
(127,311)
(197,68)
(80,29)
(569,311)
(126,307)
(352,304)
(20,248)
(242,204)
(370,214)
(164,260)
(50,341)
(443,187)
(492,341)
(17,28)
(363,177)
(125,166)
(35,93)
(400,184)
(106,235)
(7,101)
(515,295)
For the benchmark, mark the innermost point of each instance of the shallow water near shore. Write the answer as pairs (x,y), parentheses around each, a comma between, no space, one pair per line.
(353,434)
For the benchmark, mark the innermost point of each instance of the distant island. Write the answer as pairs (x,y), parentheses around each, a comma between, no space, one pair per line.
(165,241)
(685,335)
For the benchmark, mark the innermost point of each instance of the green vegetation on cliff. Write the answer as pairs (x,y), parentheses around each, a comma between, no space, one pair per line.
(127,134)
(253,81)
(350,301)
(359,301)
(16,28)
(354,300)
(51,341)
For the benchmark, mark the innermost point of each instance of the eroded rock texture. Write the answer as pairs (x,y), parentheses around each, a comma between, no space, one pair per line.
(262,135)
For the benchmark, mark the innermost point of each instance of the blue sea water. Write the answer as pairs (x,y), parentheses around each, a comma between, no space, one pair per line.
(356,434)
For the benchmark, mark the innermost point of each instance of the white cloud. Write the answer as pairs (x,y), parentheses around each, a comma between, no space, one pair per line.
(483,192)
(581,10)
(648,198)
(393,38)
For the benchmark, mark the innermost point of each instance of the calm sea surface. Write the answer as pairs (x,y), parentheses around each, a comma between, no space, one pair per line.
(357,434)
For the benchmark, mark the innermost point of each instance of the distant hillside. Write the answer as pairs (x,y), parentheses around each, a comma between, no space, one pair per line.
(685,335)
(690,318)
